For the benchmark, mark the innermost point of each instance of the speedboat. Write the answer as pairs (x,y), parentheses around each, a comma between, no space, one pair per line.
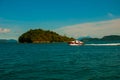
(75,43)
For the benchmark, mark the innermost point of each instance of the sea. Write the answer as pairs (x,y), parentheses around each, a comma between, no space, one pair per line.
(59,61)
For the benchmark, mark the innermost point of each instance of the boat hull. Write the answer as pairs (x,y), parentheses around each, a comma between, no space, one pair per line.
(75,44)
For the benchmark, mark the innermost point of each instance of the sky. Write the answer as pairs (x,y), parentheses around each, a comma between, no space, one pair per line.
(73,18)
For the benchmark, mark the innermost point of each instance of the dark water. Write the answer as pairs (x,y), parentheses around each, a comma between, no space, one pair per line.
(59,61)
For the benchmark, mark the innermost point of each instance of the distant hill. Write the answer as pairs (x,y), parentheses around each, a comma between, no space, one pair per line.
(111,37)
(42,36)
(105,38)
(3,40)
(8,41)
(11,40)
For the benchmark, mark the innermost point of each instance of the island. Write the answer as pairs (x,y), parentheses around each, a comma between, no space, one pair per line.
(105,38)
(8,41)
(42,36)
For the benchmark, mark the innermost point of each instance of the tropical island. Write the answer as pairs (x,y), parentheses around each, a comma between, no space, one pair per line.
(42,36)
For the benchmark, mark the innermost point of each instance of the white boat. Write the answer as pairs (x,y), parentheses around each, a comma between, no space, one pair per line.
(75,43)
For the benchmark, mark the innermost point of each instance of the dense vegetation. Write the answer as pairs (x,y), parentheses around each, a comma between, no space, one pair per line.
(42,36)
(105,38)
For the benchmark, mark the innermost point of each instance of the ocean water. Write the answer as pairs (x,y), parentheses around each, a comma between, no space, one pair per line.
(59,61)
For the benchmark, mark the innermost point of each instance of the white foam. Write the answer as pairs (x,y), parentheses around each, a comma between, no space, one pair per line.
(110,44)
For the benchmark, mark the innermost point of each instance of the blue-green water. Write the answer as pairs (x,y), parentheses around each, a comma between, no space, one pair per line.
(59,61)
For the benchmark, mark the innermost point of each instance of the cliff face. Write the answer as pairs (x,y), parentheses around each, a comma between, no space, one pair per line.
(42,36)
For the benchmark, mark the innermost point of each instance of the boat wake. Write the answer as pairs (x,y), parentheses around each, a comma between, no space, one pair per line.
(108,44)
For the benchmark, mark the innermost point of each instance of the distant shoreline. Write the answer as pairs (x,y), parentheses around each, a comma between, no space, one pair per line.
(105,38)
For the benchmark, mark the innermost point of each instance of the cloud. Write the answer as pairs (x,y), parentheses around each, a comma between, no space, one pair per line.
(93,29)
(4,30)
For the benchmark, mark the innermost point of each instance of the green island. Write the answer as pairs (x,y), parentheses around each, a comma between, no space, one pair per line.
(42,36)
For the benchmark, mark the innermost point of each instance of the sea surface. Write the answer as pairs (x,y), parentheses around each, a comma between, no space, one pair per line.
(59,61)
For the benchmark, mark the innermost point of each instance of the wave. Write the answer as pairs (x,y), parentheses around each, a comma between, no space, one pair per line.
(107,44)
